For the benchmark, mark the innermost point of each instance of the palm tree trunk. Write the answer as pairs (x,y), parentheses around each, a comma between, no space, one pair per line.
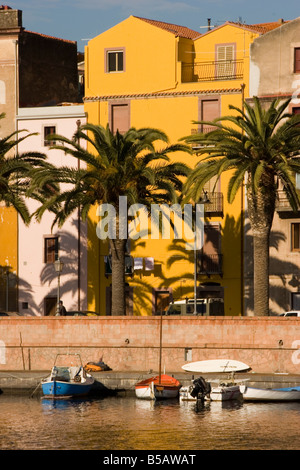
(261,207)
(261,272)
(118,250)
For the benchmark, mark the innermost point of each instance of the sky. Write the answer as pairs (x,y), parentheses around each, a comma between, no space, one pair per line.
(81,20)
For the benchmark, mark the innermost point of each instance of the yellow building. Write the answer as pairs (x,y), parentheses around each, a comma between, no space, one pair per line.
(145,73)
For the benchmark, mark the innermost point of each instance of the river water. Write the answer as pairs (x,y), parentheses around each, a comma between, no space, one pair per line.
(127,423)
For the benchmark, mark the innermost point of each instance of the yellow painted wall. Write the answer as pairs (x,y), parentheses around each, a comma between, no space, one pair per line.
(152,65)
(156,66)
(8,255)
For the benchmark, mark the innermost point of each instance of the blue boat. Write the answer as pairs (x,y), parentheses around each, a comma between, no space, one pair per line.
(67,381)
(288,389)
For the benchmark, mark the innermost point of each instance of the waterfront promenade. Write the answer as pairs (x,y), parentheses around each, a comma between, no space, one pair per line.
(107,382)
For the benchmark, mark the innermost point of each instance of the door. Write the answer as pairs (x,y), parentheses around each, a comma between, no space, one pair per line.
(50,304)
(120,118)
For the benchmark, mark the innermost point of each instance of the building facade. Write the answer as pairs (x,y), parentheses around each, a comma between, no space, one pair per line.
(40,245)
(145,73)
(277,75)
(35,70)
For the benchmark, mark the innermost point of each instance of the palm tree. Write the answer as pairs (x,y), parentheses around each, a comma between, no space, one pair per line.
(15,174)
(261,148)
(115,165)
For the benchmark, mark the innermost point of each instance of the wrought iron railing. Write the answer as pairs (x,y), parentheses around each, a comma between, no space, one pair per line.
(215,204)
(215,70)
(209,263)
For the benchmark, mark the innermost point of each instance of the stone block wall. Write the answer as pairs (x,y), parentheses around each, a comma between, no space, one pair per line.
(267,345)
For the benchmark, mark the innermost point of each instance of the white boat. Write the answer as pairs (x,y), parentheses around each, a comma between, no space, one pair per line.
(216,366)
(268,394)
(221,392)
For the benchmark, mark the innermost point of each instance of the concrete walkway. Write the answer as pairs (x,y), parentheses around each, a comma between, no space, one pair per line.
(121,381)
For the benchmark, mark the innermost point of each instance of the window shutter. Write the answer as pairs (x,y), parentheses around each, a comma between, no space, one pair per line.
(297,60)
(120,118)
(225,65)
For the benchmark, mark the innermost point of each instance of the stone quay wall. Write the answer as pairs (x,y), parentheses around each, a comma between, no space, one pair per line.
(268,344)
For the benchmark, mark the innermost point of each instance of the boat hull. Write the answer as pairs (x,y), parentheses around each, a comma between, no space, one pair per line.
(216,366)
(220,393)
(158,388)
(64,389)
(257,394)
(67,381)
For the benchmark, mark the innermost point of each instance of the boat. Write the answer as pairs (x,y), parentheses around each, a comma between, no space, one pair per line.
(202,390)
(216,366)
(269,394)
(160,386)
(67,381)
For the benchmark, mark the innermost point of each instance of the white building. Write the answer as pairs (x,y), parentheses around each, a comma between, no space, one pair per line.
(38,245)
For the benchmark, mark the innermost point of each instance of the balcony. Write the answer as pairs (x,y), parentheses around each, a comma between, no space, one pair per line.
(215,204)
(209,264)
(212,71)
(283,206)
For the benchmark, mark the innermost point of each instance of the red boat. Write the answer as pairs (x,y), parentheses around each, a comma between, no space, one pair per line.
(161,386)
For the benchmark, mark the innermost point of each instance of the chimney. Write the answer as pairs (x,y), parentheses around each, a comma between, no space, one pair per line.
(281,21)
(10,20)
(208,24)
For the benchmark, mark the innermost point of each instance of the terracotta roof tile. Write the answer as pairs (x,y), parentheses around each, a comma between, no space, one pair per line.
(163,94)
(261,27)
(181,31)
(49,37)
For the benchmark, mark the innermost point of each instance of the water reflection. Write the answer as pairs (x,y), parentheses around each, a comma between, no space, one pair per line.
(126,423)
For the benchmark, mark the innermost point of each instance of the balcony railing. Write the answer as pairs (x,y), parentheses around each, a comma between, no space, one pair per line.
(210,71)
(215,204)
(209,264)
(282,203)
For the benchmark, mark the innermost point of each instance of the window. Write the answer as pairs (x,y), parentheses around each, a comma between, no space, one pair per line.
(210,258)
(295,236)
(50,249)
(48,130)
(115,61)
(225,67)
(210,110)
(119,116)
(297,60)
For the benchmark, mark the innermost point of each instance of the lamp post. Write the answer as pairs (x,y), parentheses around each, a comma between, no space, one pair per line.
(199,239)
(58,266)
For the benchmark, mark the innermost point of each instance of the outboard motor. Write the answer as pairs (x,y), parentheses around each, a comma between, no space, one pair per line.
(201,389)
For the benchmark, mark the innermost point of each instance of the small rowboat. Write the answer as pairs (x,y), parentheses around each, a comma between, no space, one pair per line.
(259,394)
(159,387)
(67,381)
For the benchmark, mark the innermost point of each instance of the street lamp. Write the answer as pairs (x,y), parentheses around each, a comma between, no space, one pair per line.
(199,239)
(58,266)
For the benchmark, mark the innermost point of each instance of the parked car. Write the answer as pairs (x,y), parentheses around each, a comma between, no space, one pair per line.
(211,306)
(81,313)
(291,313)
(9,314)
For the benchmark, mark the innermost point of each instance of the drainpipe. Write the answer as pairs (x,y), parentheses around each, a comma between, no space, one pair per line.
(242,222)
(78,122)
(16,42)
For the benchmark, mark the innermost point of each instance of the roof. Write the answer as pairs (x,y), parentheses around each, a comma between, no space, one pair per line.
(261,28)
(181,31)
(48,37)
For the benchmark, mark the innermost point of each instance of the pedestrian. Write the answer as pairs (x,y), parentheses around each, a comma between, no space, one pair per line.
(62,309)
